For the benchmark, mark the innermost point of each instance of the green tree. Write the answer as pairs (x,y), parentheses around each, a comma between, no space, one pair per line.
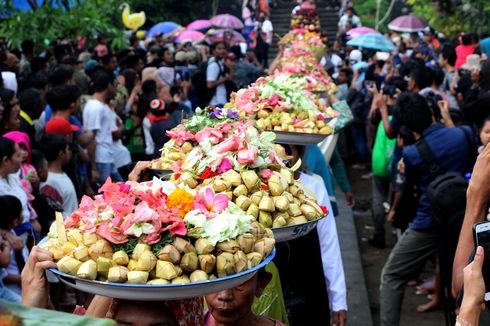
(452,17)
(366,10)
(58,19)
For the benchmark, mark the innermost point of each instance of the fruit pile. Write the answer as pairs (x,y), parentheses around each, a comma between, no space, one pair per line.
(90,257)
(233,157)
(157,233)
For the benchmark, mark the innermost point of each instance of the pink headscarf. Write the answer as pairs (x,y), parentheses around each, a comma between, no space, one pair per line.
(21,138)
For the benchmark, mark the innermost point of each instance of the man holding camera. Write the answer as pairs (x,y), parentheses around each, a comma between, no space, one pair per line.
(452,152)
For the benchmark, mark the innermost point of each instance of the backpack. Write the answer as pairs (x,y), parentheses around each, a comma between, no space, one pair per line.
(200,83)
(447,190)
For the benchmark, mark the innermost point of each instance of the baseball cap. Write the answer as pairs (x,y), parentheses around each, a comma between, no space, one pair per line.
(60,126)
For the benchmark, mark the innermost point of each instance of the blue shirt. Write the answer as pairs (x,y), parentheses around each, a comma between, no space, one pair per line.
(315,163)
(450,148)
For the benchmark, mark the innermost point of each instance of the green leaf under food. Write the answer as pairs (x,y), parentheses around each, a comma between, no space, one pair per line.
(127,247)
(167,238)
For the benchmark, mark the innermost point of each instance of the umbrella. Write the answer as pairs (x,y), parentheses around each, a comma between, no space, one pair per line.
(192,36)
(227,21)
(226,35)
(360,31)
(199,25)
(408,24)
(163,28)
(373,41)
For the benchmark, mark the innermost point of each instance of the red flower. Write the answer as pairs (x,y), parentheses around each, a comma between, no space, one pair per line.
(324,209)
(264,186)
(208,173)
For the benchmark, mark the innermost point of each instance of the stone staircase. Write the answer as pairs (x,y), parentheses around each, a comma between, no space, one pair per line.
(281,20)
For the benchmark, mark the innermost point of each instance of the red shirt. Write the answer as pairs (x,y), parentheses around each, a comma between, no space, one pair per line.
(463,51)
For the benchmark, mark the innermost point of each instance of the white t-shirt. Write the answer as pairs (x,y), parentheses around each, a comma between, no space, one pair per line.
(213,74)
(149,143)
(356,21)
(333,268)
(62,183)
(267,29)
(98,116)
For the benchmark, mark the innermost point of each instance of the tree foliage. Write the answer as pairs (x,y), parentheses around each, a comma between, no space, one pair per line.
(452,17)
(63,19)
(56,19)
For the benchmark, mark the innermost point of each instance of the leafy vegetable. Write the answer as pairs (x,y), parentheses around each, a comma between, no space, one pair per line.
(166,239)
(127,247)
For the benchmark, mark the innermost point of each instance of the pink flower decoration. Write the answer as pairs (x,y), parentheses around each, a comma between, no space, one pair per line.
(274,100)
(180,135)
(209,203)
(209,133)
(247,156)
(225,166)
(265,174)
(111,234)
(125,188)
(177,166)
(245,99)
(229,145)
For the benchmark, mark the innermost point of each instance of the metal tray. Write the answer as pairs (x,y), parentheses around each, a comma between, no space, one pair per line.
(291,232)
(162,174)
(298,138)
(145,292)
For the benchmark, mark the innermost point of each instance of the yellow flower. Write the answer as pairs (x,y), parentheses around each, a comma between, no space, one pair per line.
(182,200)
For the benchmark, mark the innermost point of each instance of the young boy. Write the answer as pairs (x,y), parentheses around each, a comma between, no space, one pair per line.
(58,154)
(11,262)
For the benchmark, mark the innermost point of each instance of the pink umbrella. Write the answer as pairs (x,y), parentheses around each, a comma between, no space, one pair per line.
(408,24)
(360,31)
(199,25)
(193,36)
(226,35)
(227,21)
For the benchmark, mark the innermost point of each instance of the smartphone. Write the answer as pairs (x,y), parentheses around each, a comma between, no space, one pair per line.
(481,234)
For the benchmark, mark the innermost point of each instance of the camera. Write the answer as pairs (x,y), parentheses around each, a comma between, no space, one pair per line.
(432,99)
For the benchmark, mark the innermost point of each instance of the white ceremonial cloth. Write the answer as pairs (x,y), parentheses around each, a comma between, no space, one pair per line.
(333,269)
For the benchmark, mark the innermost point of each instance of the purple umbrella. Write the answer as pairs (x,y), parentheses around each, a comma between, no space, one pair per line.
(360,31)
(408,24)
(227,21)
(199,25)
(193,36)
(226,35)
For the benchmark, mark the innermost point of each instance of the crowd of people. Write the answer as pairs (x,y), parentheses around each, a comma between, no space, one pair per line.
(70,118)
(420,113)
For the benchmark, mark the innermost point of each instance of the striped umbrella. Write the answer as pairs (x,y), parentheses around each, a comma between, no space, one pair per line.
(352,33)
(373,41)
(227,21)
(408,24)
(199,24)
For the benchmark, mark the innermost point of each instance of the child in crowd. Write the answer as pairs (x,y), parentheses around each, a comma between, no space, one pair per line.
(58,155)
(28,175)
(14,262)
(234,306)
(14,212)
(484,134)
(161,121)
(44,205)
